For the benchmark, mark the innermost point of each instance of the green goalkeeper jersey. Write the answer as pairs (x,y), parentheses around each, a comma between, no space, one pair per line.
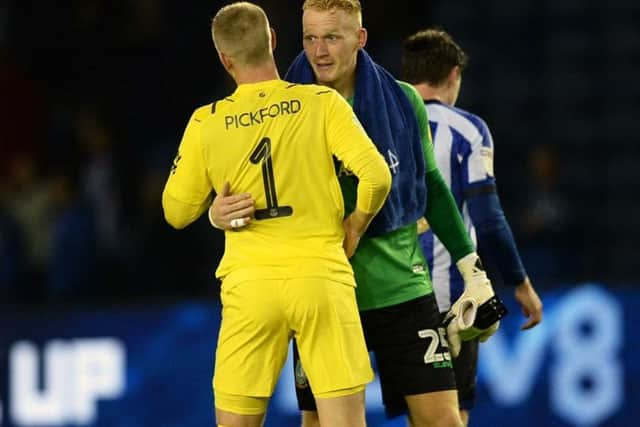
(391,269)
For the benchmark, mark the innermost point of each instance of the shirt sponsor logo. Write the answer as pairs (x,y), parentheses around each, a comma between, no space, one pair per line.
(418,268)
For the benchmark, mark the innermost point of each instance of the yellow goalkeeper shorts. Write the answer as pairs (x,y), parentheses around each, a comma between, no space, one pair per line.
(260,316)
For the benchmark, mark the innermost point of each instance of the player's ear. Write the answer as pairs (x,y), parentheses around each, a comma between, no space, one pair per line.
(227,63)
(273,39)
(453,76)
(362,37)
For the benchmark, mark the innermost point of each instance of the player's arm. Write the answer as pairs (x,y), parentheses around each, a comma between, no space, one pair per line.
(348,141)
(495,239)
(187,193)
(477,312)
(498,247)
(441,212)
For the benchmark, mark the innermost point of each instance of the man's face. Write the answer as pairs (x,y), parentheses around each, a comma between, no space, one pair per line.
(331,40)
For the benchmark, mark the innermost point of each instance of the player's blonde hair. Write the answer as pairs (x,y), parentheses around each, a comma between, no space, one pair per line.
(352,7)
(241,31)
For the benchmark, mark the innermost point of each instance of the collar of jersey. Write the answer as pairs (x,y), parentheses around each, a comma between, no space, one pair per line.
(258,85)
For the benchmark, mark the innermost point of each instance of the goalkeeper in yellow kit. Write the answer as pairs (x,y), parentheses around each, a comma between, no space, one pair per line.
(286,274)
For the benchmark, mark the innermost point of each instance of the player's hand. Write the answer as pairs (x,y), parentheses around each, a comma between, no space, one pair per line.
(351,238)
(354,227)
(229,212)
(477,313)
(529,303)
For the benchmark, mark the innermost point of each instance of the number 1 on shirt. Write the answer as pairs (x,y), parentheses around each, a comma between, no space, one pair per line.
(262,153)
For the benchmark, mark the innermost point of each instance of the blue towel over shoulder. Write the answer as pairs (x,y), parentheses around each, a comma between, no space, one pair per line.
(390,121)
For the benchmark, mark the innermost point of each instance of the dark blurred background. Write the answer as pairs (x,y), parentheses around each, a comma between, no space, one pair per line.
(95,94)
(108,316)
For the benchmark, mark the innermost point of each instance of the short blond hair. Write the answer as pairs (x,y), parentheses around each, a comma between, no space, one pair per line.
(241,31)
(352,7)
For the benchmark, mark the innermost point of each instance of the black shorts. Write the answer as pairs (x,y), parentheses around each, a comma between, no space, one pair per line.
(406,340)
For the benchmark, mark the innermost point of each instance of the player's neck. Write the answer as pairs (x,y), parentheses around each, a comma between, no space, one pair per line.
(429,93)
(345,86)
(259,73)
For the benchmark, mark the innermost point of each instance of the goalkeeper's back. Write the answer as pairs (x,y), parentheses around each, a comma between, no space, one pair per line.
(276,141)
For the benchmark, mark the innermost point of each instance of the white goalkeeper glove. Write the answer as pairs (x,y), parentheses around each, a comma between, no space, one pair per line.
(477,313)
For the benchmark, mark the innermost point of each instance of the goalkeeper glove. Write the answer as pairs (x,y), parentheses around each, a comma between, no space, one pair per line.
(477,313)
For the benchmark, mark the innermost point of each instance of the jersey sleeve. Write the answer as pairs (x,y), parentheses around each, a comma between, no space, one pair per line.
(496,243)
(188,190)
(495,239)
(349,142)
(479,161)
(423,124)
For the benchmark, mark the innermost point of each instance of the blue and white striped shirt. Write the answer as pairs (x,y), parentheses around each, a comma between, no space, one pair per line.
(464,153)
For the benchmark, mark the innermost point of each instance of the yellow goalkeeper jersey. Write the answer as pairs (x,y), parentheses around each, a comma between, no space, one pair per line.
(275,140)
